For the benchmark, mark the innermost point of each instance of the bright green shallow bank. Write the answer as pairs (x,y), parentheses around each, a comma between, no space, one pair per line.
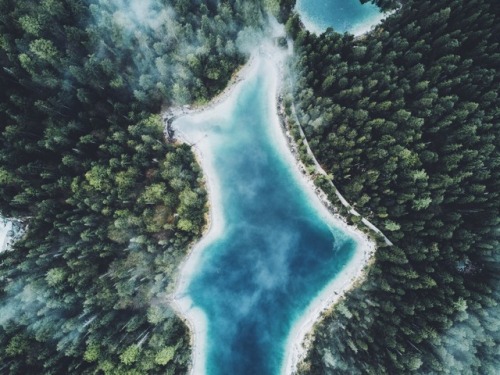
(275,252)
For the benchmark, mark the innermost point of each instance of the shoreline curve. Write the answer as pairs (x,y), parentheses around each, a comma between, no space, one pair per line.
(296,345)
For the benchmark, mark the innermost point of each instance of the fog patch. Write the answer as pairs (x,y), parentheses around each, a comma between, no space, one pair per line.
(138,15)
(273,267)
(468,347)
(11,230)
(250,39)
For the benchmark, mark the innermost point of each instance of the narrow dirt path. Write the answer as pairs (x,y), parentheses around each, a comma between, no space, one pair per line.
(321,171)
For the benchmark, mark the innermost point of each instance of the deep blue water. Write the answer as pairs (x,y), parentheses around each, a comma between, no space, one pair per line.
(341,15)
(275,254)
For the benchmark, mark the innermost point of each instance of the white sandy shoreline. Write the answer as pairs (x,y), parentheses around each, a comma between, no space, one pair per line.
(345,280)
(194,317)
(296,347)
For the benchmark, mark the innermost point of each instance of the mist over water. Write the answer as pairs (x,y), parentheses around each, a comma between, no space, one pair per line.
(342,15)
(275,253)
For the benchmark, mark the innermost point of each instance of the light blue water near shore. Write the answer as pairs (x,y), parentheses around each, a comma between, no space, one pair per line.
(341,15)
(275,254)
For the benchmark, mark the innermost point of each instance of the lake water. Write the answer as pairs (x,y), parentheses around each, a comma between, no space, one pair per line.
(274,252)
(342,15)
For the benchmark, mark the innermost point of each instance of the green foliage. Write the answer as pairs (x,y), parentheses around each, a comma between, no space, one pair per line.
(55,276)
(44,49)
(406,119)
(111,206)
(130,354)
(392,226)
(92,353)
(165,355)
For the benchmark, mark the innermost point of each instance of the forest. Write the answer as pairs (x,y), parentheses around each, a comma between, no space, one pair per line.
(110,207)
(405,119)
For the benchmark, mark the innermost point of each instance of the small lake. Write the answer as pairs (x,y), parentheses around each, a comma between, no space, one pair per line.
(342,15)
(270,251)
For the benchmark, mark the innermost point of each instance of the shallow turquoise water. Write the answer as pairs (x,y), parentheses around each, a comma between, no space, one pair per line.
(275,253)
(341,15)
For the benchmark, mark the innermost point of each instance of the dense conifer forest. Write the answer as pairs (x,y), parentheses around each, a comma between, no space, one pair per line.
(110,207)
(406,120)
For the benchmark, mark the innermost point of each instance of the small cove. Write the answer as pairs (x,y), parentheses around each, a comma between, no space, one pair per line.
(342,15)
(272,248)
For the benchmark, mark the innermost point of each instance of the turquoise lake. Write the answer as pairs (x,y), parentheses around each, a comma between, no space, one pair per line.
(342,15)
(275,252)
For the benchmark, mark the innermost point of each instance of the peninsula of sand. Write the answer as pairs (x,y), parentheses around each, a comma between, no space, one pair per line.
(271,59)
